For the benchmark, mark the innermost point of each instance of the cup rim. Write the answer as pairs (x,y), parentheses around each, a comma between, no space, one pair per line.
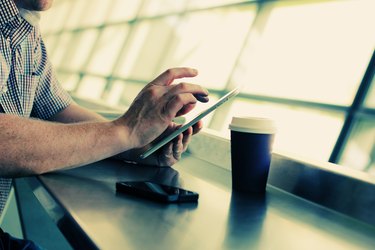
(259,125)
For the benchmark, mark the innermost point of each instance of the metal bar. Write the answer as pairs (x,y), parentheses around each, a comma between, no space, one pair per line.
(367,111)
(294,102)
(353,111)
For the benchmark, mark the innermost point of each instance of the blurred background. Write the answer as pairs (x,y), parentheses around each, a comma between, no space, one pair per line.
(308,64)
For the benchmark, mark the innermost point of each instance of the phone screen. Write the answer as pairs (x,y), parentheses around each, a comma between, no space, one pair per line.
(157,191)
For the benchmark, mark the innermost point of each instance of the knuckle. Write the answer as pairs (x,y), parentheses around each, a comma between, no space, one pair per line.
(178,98)
(151,92)
(183,86)
(168,115)
(169,72)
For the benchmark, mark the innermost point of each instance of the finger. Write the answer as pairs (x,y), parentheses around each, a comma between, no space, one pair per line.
(169,75)
(166,154)
(171,127)
(186,138)
(201,98)
(178,102)
(185,109)
(200,93)
(197,127)
(178,147)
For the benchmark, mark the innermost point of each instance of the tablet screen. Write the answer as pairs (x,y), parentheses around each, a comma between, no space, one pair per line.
(188,123)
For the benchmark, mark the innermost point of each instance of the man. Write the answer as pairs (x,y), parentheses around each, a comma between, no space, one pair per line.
(66,135)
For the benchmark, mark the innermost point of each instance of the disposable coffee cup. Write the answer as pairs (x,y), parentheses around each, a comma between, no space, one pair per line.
(251,150)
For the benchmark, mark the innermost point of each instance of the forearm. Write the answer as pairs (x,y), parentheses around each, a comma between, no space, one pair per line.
(75,113)
(84,136)
(33,147)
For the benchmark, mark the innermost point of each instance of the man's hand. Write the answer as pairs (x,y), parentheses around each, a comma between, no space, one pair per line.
(150,117)
(169,154)
(156,105)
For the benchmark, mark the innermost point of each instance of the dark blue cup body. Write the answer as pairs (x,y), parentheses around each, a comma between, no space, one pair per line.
(251,158)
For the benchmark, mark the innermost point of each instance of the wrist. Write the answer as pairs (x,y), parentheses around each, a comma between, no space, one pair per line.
(123,134)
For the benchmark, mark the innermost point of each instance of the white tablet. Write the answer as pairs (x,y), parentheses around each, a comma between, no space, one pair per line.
(188,124)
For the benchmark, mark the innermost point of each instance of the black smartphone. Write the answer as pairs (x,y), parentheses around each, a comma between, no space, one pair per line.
(155,191)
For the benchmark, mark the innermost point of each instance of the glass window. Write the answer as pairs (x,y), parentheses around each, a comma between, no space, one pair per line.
(123,10)
(50,42)
(202,39)
(299,56)
(95,12)
(76,14)
(54,19)
(159,7)
(91,87)
(370,100)
(146,45)
(107,49)
(67,80)
(78,50)
(114,95)
(313,51)
(62,45)
(359,152)
(130,91)
(198,4)
(301,131)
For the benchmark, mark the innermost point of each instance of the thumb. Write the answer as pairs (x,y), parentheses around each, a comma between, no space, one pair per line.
(169,75)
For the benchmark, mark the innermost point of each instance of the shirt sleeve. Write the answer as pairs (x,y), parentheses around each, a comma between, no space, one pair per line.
(50,97)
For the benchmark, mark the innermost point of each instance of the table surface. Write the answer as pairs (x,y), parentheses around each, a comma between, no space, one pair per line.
(220,220)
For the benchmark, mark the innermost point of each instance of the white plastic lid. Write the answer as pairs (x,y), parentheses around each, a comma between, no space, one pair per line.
(256,125)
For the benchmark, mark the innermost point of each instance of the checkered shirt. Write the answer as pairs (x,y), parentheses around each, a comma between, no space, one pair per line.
(28,85)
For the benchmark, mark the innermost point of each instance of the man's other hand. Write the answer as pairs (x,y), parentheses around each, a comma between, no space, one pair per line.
(169,154)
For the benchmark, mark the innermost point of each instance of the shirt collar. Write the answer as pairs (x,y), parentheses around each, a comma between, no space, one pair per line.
(8,11)
(32,17)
